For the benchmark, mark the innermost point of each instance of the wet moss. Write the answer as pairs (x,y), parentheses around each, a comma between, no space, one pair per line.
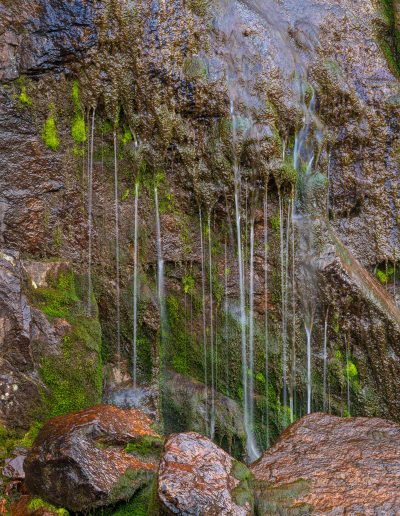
(10,438)
(73,378)
(129,483)
(78,131)
(37,503)
(49,133)
(147,446)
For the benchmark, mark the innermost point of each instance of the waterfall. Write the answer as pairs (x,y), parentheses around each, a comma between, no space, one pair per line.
(203,295)
(251,445)
(293,357)
(251,322)
(348,376)
(160,269)
(117,260)
(90,216)
(135,285)
(308,328)
(325,356)
(212,426)
(266,309)
(283,262)
(226,307)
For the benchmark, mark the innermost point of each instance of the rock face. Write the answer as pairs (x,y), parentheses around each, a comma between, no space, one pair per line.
(197,477)
(329,465)
(75,461)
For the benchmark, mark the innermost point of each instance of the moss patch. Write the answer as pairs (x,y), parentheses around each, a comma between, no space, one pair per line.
(73,378)
(38,503)
(49,133)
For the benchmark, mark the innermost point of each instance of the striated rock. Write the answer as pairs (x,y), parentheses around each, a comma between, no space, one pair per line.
(77,461)
(329,465)
(198,477)
(14,468)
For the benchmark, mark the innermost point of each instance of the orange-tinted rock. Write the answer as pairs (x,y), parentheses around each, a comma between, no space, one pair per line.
(77,461)
(198,477)
(329,465)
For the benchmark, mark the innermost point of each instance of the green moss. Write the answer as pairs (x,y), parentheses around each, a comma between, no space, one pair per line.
(49,133)
(275,222)
(389,35)
(73,379)
(240,471)
(10,438)
(24,98)
(125,195)
(146,446)
(126,136)
(78,131)
(282,499)
(38,503)
(194,68)
(129,483)
(188,283)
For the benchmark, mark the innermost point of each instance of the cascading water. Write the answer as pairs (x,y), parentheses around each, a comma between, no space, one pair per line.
(251,322)
(90,216)
(135,284)
(203,300)
(251,445)
(266,311)
(325,357)
(117,258)
(212,420)
(160,269)
(226,308)
(306,150)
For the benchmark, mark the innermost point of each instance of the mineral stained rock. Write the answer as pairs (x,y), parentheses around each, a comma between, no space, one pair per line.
(330,465)
(198,477)
(77,461)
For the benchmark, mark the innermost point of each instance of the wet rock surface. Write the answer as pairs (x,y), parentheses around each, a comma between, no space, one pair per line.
(78,460)
(324,464)
(197,477)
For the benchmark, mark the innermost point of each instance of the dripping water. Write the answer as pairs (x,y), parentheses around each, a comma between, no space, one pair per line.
(160,270)
(135,284)
(117,257)
(203,294)
(251,445)
(266,309)
(325,357)
(212,425)
(308,328)
(251,323)
(90,216)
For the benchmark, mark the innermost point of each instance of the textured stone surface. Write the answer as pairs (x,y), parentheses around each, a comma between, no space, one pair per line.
(77,461)
(329,465)
(197,477)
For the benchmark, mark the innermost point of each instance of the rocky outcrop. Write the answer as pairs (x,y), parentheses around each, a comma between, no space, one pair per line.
(44,35)
(329,465)
(77,461)
(197,477)
(40,316)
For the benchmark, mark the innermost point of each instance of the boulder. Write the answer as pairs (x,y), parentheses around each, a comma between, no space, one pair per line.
(14,467)
(78,461)
(198,477)
(329,465)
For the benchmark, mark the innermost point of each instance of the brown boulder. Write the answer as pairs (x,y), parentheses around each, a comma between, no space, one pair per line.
(77,460)
(198,477)
(324,464)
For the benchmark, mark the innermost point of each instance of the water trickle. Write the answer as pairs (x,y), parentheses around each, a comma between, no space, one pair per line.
(325,358)
(90,216)
(160,270)
(293,354)
(266,310)
(284,289)
(135,284)
(251,323)
(203,296)
(251,445)
(308,327)
(212,421)
(348,377)
(117,258)
(226,308)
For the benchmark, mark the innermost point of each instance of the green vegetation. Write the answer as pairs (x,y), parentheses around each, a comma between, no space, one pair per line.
(146,446)
(73,378)
(78,131)
(389,36)
(38,503)
(9,439)
(24,98)
(275,222)
(49,133)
